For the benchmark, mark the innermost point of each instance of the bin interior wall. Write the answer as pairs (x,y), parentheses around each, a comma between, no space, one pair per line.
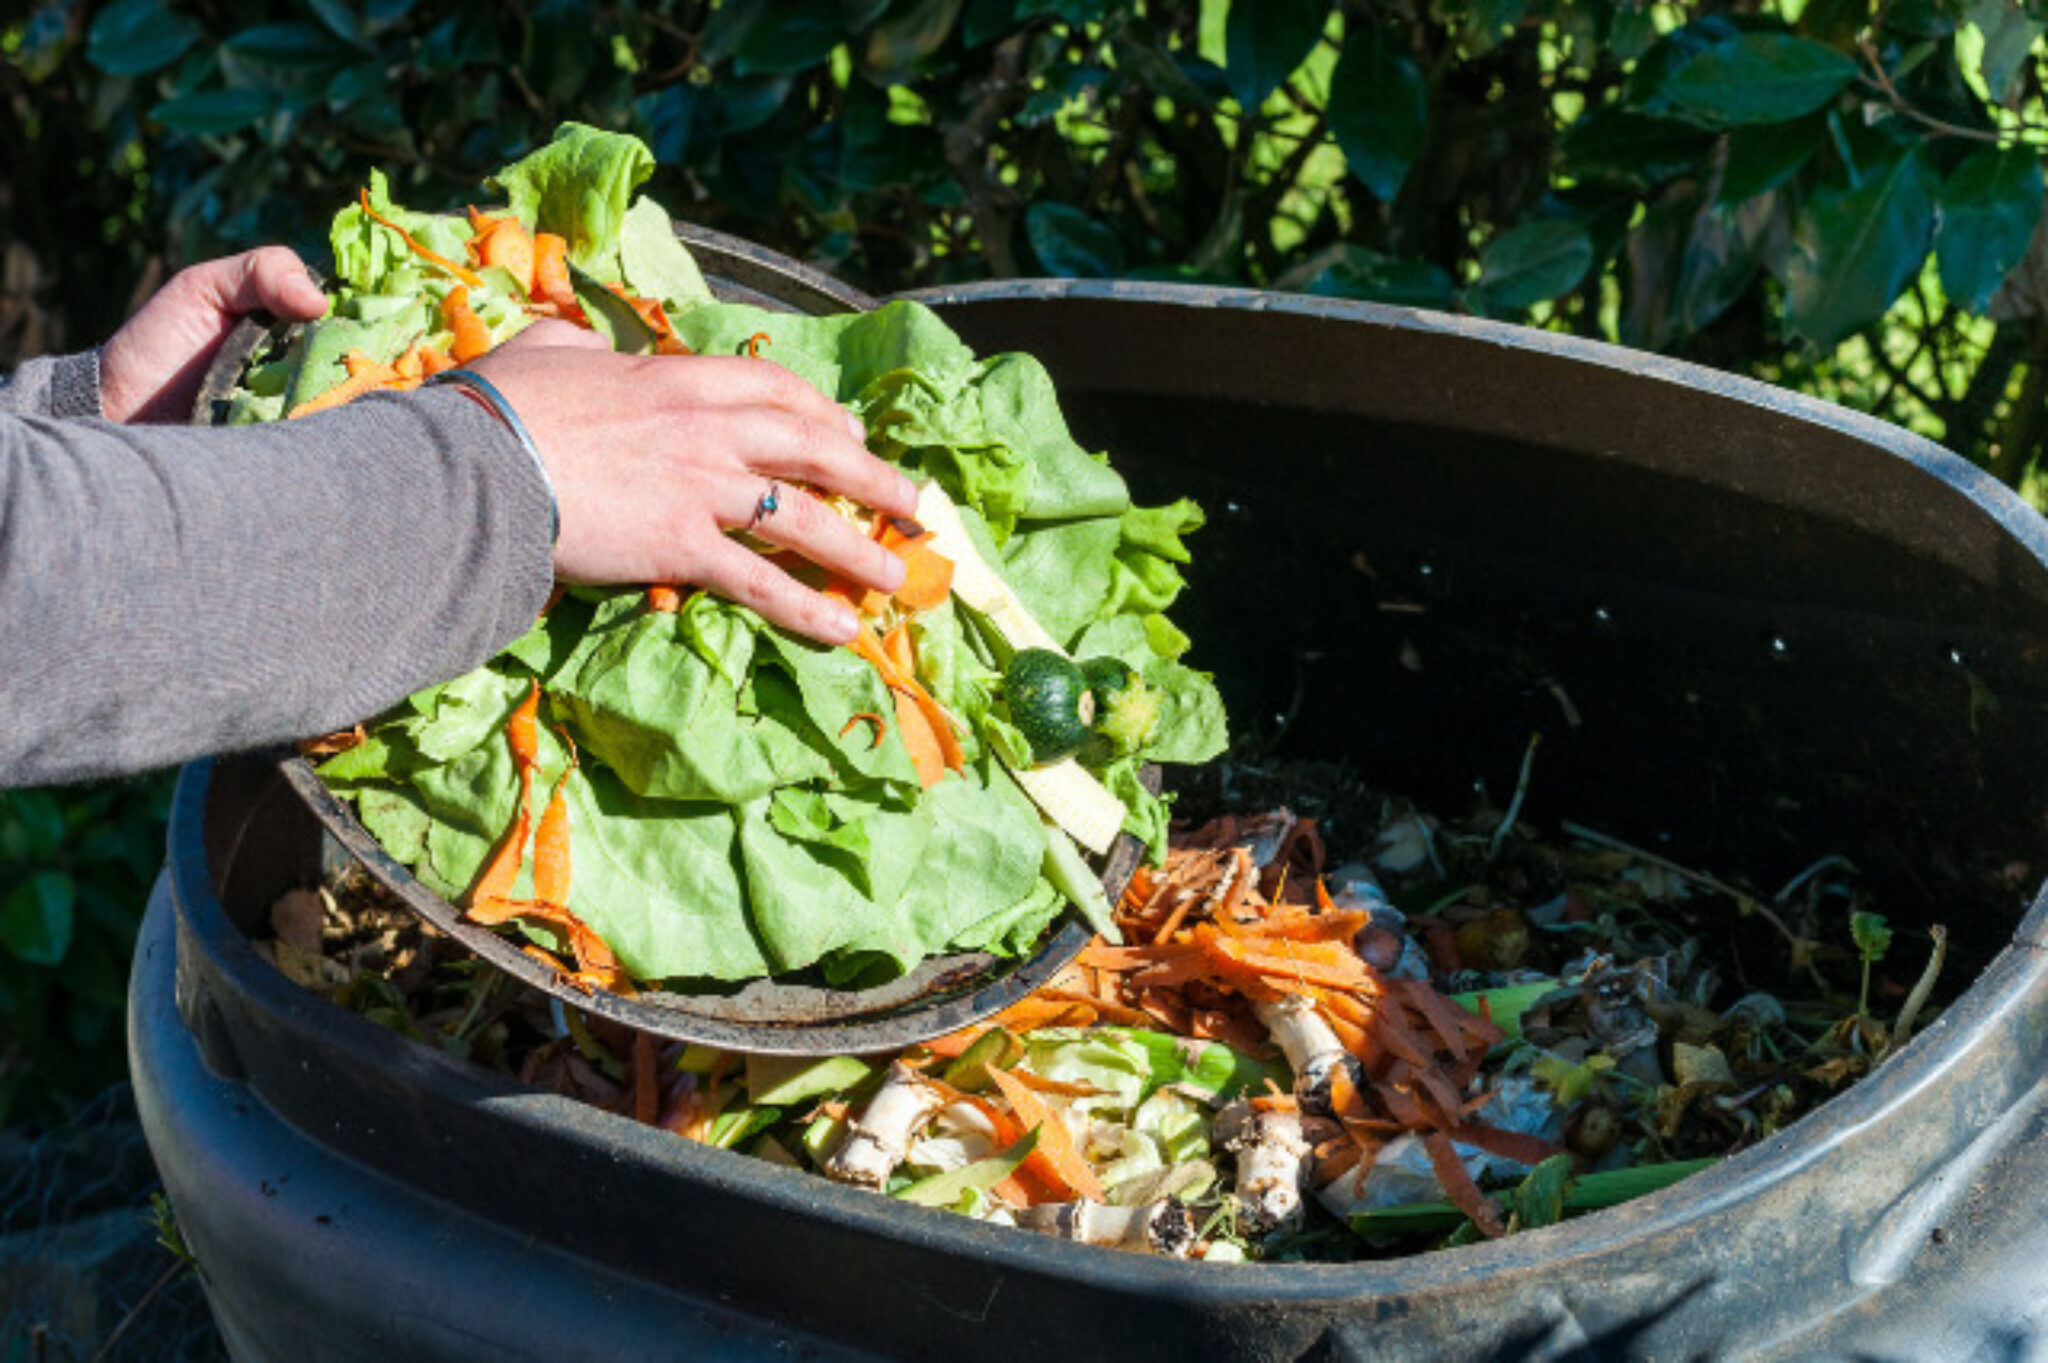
(1748,640)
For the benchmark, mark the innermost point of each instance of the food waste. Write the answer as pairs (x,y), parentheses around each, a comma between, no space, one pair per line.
(1454,1030)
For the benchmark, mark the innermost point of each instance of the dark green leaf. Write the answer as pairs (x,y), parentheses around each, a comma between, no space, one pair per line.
(380,14)
(730,24)
(31,825)
(795,38)
(1762,157)
(1687,262)
(340,20)
(896,46)
(1533,262)
(986,21)
(1487,22)
(1731,77)
(136,37)
(855,15)
(559,56)
(1073,11)
(1538,1199)
(35,918)
(1987,214)
(1071,243)
(1854,249)
(1355,272)
(744,105)
(1378,110)
(213,113)
(288,49)
(1613,144)
(1265,40)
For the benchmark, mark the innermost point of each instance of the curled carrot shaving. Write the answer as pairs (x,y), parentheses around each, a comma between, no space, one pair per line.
(461,272)
(755,342)
(472,336)
(867,717)
(902,652)
(1055,1157)
(502,242)
(551,274)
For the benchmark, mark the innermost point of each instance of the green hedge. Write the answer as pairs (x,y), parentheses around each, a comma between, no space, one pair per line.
(1835,196)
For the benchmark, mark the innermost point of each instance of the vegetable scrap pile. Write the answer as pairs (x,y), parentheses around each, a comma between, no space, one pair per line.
(1441,1032)
(653,784)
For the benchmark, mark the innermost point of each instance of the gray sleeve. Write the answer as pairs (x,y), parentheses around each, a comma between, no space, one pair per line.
(62,386)
(170,591)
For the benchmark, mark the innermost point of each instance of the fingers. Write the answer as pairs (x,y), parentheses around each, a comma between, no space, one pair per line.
(270,279)
(828,453)
(737,573)
(793,519)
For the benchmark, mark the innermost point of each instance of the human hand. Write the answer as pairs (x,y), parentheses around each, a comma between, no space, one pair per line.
(151,369)
(654,458)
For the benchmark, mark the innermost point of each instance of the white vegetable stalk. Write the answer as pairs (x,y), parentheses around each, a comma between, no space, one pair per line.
(1273,1154)
(1313,1051)
(1162,1227)
(879,1139)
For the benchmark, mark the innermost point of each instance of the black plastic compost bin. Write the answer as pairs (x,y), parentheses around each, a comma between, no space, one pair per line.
(1753,629)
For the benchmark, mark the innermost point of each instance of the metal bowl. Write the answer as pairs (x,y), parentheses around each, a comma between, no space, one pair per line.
(793,1014)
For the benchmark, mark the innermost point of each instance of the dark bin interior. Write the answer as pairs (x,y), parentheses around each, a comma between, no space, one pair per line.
(1748,638)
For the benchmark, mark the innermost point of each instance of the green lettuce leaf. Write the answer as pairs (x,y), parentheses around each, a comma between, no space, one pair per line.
(579,186)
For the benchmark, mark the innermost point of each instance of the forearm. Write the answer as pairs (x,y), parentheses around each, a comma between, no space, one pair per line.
(172,591)
(62,386)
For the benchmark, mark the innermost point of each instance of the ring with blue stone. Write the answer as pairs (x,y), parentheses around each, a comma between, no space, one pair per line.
(764,508)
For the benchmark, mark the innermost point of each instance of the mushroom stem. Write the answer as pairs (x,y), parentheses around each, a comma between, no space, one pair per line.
(1162,1227)
(1313,1051)
(877,1140)
(1273,1156)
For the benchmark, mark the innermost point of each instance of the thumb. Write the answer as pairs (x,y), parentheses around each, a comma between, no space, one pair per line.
(270,279)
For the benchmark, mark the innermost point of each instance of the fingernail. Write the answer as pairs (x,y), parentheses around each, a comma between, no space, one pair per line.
(855,429)
(894,570)
(907,492)
(841,623)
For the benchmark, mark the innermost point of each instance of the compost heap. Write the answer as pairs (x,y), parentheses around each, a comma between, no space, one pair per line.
(655,785)
(1416,1033)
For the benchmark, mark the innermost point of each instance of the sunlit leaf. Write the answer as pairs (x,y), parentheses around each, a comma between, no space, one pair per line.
(1853,249)
(1986,216)
(1378,111)
(1265,41)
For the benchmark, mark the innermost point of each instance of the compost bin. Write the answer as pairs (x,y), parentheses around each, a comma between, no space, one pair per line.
(1753,629)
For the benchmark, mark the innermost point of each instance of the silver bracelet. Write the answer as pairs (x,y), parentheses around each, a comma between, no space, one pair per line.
(495,400)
